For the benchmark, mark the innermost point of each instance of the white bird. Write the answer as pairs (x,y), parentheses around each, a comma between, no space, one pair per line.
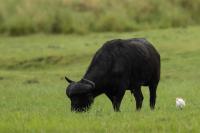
(180,103)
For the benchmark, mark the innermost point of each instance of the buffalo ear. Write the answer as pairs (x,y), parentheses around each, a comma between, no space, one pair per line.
(68,80)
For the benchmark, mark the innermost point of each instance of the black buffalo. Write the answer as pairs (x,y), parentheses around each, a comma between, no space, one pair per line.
(119,65)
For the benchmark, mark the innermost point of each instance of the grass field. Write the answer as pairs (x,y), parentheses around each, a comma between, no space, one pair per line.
(22,17)
(32,85)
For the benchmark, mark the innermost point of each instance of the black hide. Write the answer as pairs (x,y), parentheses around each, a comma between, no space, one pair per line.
(119,65)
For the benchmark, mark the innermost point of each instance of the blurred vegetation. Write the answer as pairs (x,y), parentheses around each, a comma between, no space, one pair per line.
(19,17)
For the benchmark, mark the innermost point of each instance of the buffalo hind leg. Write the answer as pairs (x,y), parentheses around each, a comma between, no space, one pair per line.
(116,100)
(152,90)
(138,97)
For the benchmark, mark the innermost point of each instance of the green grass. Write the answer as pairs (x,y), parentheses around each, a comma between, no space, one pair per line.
(32,85)
(22,17)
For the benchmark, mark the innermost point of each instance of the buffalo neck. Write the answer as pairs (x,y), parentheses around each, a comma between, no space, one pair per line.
(97,78)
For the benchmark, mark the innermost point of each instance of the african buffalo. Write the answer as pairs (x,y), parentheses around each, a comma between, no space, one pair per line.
(119,65)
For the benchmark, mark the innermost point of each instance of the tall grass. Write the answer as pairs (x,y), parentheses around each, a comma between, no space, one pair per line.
(81,16)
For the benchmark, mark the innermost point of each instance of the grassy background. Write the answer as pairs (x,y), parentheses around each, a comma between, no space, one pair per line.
(19,17)
(32,85)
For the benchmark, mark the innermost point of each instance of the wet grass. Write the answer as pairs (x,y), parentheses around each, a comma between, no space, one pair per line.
(32,85)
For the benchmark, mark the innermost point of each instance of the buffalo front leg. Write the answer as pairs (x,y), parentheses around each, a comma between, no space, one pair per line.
(138,97)
(116,100)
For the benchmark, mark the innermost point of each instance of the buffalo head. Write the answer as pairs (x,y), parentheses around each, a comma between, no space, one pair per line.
(80,94)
